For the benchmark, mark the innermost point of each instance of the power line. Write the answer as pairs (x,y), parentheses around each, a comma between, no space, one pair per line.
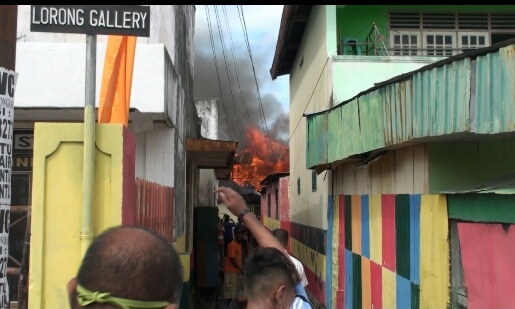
(309,100)
(242,20)
(239,83)
(216,67)
(228,75)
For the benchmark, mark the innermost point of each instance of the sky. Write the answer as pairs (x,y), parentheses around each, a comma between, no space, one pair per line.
(250,93)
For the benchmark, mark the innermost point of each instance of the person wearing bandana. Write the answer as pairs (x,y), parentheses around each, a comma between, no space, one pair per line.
(128,267)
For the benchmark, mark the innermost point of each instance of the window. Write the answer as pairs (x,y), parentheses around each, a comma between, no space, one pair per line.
(269,205)
(313,181)
(298,186)
(446,34)
(277,203)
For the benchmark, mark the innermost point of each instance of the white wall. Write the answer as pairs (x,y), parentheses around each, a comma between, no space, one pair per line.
(155,155)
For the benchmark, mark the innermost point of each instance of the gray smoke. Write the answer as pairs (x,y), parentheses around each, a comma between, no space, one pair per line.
(238,101)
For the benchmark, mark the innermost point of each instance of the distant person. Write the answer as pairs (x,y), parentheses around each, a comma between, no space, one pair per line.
(233,267)
(221,243)
(128,267)
(229,225)
(270,279)
(282,236)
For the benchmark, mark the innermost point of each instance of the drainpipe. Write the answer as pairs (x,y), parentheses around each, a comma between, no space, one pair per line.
(88,174)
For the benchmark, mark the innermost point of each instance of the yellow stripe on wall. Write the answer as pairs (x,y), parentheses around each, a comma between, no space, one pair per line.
(390,289)
(356,223)
(376,229)
(304,254)
(335,243)
(434,252)
(270,223)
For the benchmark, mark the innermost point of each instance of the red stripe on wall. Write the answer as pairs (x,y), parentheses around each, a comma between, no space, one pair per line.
(316,285)
(340,295)
(388,228)
(129,175)
(488,252)
(376,279)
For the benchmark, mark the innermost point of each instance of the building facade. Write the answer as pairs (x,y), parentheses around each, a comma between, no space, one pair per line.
(391,137)
(163,115)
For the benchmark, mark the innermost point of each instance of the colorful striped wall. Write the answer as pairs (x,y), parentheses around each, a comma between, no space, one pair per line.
(387,251)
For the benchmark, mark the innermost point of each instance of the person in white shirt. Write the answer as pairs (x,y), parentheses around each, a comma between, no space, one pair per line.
(282,236)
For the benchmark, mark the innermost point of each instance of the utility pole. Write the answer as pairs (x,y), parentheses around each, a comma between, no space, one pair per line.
(8,25)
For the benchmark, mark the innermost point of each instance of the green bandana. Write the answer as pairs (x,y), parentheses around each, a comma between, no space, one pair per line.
(86,297)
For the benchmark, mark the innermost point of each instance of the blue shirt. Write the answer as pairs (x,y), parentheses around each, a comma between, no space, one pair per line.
(228,230)
(300,301)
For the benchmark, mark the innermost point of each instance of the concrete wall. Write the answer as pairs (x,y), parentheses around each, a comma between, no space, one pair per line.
(207,111)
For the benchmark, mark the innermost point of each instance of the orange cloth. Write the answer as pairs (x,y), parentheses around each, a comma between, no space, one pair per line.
(233,250)
(115,93)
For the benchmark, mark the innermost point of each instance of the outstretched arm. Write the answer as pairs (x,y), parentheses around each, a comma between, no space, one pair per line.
(236,205)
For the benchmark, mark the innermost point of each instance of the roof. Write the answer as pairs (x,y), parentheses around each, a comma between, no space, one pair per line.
(291,31)
(273,177)
(212,154)
(472,54)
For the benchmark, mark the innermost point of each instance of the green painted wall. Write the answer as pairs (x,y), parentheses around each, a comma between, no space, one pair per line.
(499,208)
(356,20)
(456,166)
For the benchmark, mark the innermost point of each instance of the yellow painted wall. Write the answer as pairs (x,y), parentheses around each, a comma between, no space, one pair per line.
(270,223)
(55,252)
(434,252)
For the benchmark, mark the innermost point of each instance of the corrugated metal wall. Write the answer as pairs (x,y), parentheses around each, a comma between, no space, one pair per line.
(464,96)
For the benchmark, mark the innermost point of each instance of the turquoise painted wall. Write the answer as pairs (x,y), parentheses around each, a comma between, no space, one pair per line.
(356,20)
(464,165)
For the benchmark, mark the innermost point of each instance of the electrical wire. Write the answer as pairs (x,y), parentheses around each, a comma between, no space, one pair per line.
(242,20)
(216,67)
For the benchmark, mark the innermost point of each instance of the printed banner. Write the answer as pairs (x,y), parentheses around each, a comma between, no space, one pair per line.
(7,86)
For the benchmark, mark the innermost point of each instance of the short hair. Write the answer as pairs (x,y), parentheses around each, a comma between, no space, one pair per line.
(282,236)
(265,270)
(134,263)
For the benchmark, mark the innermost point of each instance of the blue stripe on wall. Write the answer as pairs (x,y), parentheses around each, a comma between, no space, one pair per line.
(348,279)
(415,238)
(403,287)
(365,227)
(329,255)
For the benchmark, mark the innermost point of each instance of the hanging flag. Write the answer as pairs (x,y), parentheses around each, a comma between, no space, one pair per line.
(115,93)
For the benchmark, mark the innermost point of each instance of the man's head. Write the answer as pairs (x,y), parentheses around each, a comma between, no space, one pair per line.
(132,264)
(270,278)
(282,236)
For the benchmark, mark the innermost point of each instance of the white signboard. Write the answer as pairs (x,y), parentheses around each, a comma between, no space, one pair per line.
(7,86)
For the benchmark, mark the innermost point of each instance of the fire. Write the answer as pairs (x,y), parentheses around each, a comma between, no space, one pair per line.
(256,162)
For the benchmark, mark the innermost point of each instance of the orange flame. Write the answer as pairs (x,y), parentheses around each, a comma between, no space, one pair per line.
(256,162)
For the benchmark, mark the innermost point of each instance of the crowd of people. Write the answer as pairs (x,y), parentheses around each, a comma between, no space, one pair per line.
(121,270)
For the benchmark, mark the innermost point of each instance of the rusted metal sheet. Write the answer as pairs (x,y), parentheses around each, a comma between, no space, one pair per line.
(154,207)
(431,103)
(317,145)
(495,88)
(441,100)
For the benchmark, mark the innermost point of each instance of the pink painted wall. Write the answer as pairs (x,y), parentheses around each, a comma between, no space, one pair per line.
(488,255)
(129,178)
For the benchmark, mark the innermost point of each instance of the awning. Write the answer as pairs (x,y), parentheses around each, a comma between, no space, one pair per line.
(212,154)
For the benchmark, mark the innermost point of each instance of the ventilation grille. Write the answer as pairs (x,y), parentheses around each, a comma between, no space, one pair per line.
(502,21)
(439,20)
(455,21)
(405,20)
(472,21)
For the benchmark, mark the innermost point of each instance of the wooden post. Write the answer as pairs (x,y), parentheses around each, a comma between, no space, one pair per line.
(8,26)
